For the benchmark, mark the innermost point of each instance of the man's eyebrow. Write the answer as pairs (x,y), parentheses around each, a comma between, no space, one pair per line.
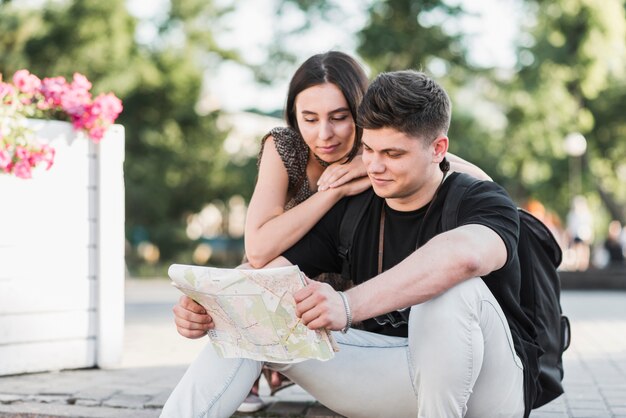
(390,149)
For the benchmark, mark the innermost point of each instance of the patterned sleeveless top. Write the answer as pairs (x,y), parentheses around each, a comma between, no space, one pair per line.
(294,153)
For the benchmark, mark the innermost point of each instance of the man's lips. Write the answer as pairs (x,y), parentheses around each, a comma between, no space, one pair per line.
(379,181)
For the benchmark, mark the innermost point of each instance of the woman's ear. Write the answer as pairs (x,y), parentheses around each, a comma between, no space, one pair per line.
(440,148)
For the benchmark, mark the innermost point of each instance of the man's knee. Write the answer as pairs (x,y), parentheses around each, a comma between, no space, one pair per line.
(463,297)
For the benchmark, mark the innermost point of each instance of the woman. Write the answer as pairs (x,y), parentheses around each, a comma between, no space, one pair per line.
(318,151)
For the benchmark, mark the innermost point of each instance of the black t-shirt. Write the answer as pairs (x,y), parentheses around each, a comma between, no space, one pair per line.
(485,203)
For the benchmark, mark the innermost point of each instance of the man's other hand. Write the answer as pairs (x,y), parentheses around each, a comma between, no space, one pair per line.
(320,306)
(192,320)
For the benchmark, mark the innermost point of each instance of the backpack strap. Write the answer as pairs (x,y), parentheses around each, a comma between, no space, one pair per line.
(355,209)
(452,201)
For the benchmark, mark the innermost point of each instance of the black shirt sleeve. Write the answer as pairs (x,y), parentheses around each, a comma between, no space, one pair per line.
(486,203)
(317,252)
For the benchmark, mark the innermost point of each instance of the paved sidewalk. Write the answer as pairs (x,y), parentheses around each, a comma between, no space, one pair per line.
(155,358)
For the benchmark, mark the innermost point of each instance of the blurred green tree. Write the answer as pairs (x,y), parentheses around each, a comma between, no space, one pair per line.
(175,162)
(570,78)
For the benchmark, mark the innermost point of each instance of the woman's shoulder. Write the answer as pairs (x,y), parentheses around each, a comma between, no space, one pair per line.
(289,144)
(284,135)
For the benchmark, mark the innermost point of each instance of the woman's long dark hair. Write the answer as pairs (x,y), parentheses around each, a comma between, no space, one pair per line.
(331,67)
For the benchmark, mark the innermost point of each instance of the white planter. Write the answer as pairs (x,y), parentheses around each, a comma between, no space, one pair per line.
(62,256)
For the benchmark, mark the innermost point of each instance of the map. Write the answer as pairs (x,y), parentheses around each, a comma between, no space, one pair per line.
(254,312)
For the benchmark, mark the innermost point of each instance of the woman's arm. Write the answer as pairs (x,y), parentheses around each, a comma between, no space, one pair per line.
(459,164)
(270,230)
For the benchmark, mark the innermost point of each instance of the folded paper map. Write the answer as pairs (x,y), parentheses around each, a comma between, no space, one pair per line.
(254,312)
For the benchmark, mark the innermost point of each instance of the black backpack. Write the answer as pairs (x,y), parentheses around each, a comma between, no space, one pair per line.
(539,256)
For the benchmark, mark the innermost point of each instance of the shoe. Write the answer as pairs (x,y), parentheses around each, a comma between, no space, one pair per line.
(252,403)
(284,382)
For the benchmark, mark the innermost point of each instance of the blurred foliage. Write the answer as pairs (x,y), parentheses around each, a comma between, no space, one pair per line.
(569,78)
(174,158)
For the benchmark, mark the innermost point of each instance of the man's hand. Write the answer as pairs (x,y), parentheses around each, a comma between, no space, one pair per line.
(320,306)
(192,320)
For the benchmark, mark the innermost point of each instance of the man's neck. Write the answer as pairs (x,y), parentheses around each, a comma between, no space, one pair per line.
(420,198)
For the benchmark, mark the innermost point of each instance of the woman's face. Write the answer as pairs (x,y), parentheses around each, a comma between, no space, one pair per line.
(325,121)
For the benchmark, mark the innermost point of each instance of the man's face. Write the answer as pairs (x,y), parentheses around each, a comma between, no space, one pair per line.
(402,169)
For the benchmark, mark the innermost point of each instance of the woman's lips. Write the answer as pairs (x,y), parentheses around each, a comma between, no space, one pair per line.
(328,149)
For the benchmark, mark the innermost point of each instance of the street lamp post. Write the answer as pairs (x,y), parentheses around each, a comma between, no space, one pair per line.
(575,146)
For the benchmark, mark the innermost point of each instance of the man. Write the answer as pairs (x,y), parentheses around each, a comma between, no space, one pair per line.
(464,347)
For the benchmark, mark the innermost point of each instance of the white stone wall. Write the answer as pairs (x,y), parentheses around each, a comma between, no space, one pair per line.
(62,257)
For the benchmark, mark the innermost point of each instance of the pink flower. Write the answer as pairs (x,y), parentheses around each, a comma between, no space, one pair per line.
(108,106)
(22,169)
(28,96)
(26,82)
(22,153)
(5,159)
(53,90)
(48,155)
(97,133)
(74,102)
(80,82)
(6,90)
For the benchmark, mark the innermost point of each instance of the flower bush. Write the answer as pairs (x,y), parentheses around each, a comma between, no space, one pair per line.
(51,98)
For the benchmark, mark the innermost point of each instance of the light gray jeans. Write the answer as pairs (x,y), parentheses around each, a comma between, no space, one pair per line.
(458,361)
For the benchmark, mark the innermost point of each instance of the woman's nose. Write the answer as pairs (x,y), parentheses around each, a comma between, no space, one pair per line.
(325,131)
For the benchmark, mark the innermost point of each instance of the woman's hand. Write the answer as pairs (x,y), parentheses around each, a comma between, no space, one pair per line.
(338,174)
(353,187)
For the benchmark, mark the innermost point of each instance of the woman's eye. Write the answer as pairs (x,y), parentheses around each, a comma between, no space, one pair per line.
(309,120)
(338,118)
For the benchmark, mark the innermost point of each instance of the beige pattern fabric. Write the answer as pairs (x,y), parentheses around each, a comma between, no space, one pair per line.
(294,153)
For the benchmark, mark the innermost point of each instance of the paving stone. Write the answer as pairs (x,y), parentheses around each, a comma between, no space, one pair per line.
(96,393)
(548,414)
(122,400)
(595,376)
(87,402)
(41,410)
(287,409)
(158,400)
(589,413)
(320,411)
(9,398)
(61,399)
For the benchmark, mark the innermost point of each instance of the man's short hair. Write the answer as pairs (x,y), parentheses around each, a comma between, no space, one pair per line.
(407,101)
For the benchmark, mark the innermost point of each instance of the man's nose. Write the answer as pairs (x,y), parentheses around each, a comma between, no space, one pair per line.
(373,164)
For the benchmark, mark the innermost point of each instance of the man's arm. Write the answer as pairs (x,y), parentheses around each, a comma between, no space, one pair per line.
(444,261)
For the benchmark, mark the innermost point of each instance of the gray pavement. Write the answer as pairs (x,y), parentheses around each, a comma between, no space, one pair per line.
(155,358)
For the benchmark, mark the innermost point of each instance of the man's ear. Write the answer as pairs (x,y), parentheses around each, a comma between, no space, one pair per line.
(440,148)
